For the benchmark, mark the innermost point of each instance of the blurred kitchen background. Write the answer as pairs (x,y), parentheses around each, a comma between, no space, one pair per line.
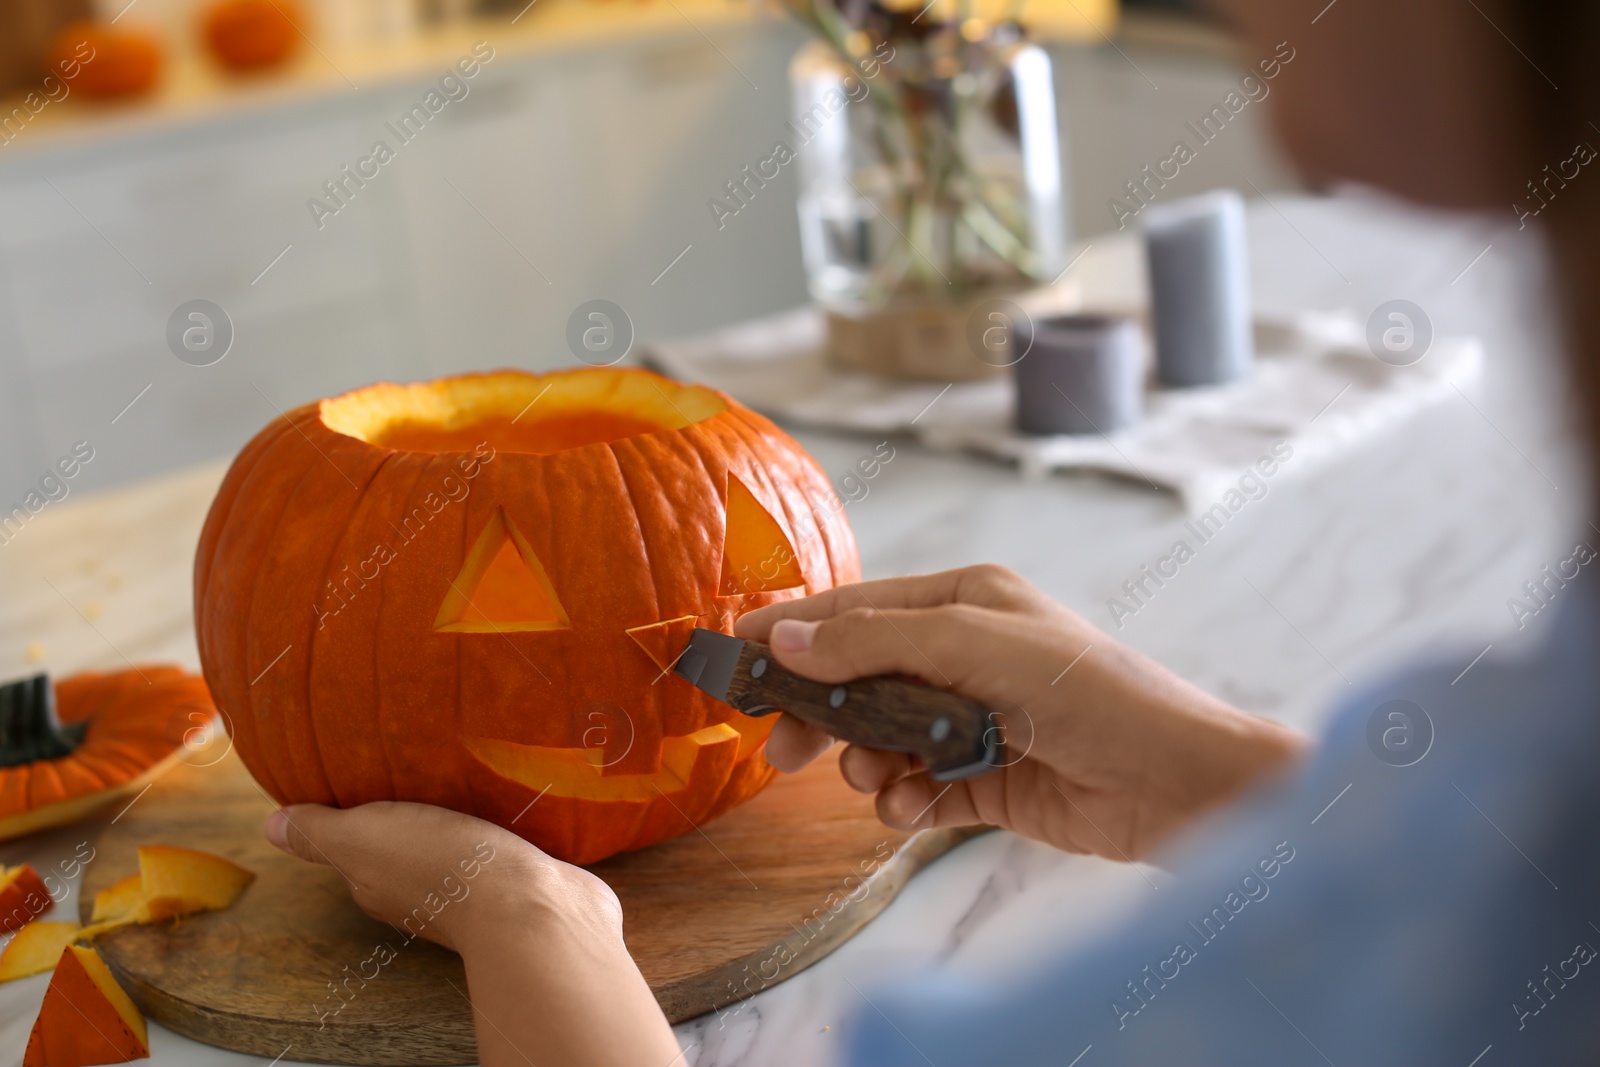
(578,167)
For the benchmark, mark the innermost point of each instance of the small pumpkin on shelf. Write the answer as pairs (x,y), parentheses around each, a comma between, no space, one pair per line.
(251,34)
(111,61)
(71,748)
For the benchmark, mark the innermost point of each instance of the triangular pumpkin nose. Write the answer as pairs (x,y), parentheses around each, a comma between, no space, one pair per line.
(502,587)
(756,556)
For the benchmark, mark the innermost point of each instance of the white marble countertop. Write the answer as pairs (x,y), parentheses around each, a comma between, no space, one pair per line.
(1419,538)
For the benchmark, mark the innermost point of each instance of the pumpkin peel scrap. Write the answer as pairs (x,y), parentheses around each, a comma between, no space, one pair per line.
(117,899)
(172,882)
(86,1017)
(23,897)
(37,948)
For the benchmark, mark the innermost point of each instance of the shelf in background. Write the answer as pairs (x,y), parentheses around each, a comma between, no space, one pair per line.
(193,88)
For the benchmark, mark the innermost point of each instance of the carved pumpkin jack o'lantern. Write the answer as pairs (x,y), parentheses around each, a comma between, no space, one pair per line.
(469,593)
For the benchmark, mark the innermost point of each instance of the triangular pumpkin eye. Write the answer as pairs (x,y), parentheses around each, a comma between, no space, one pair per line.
(664,641)
(756,556)
(502,587)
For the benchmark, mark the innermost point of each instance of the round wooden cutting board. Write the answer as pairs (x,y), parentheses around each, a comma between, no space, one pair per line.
(712,917)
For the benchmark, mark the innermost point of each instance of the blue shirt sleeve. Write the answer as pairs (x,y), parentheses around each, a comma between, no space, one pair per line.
(1444,910)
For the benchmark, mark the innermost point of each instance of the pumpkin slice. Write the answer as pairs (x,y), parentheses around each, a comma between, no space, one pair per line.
(115,901)
(86,1017)
(172,882)
(137,723)
(36,949)
(23,897)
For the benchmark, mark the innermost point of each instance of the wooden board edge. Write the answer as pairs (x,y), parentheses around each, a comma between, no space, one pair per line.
(688,999)
(453,1044)
(434,1045)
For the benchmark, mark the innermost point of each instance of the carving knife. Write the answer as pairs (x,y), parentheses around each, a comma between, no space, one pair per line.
(954,737)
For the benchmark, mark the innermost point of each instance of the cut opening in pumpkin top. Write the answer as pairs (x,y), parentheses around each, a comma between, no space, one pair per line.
(514,412)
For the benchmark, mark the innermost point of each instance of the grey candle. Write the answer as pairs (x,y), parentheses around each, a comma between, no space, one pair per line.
(1199,271)
(1082,374)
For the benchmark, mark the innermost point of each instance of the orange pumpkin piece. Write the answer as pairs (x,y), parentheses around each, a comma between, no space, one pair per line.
(36,948)
(500,567)
(86,1017)
(23,897)
(117,900)
(180,881)
(137,722)
(171,882)
(111,61)
(246,34)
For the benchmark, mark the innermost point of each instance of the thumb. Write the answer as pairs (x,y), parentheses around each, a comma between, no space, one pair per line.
(296,830)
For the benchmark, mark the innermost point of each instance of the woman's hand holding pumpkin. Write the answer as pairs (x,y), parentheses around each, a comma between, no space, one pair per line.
(548,975)
(1107,751)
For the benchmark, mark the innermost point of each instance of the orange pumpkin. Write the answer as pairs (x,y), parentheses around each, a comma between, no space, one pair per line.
(110,61)
(469,593)
(137,722)
(244,34)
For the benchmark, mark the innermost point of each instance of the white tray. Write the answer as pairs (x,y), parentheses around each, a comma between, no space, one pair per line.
(1316,387)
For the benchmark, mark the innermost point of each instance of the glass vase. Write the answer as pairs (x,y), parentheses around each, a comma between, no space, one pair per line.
(930,184)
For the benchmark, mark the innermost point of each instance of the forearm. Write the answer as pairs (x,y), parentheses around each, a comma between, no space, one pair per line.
(557,989)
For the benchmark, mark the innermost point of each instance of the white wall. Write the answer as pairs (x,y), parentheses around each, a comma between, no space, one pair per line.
(591,169)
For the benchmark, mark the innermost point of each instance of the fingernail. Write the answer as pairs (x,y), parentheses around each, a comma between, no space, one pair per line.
(793,635)
(276,829)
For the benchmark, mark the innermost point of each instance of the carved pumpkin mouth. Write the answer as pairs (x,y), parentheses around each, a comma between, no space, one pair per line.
(518,413)
(705,755)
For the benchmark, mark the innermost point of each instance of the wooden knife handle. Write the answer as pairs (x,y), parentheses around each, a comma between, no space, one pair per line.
(955,737)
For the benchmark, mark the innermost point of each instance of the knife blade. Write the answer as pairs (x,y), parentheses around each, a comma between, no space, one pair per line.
(954,737)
